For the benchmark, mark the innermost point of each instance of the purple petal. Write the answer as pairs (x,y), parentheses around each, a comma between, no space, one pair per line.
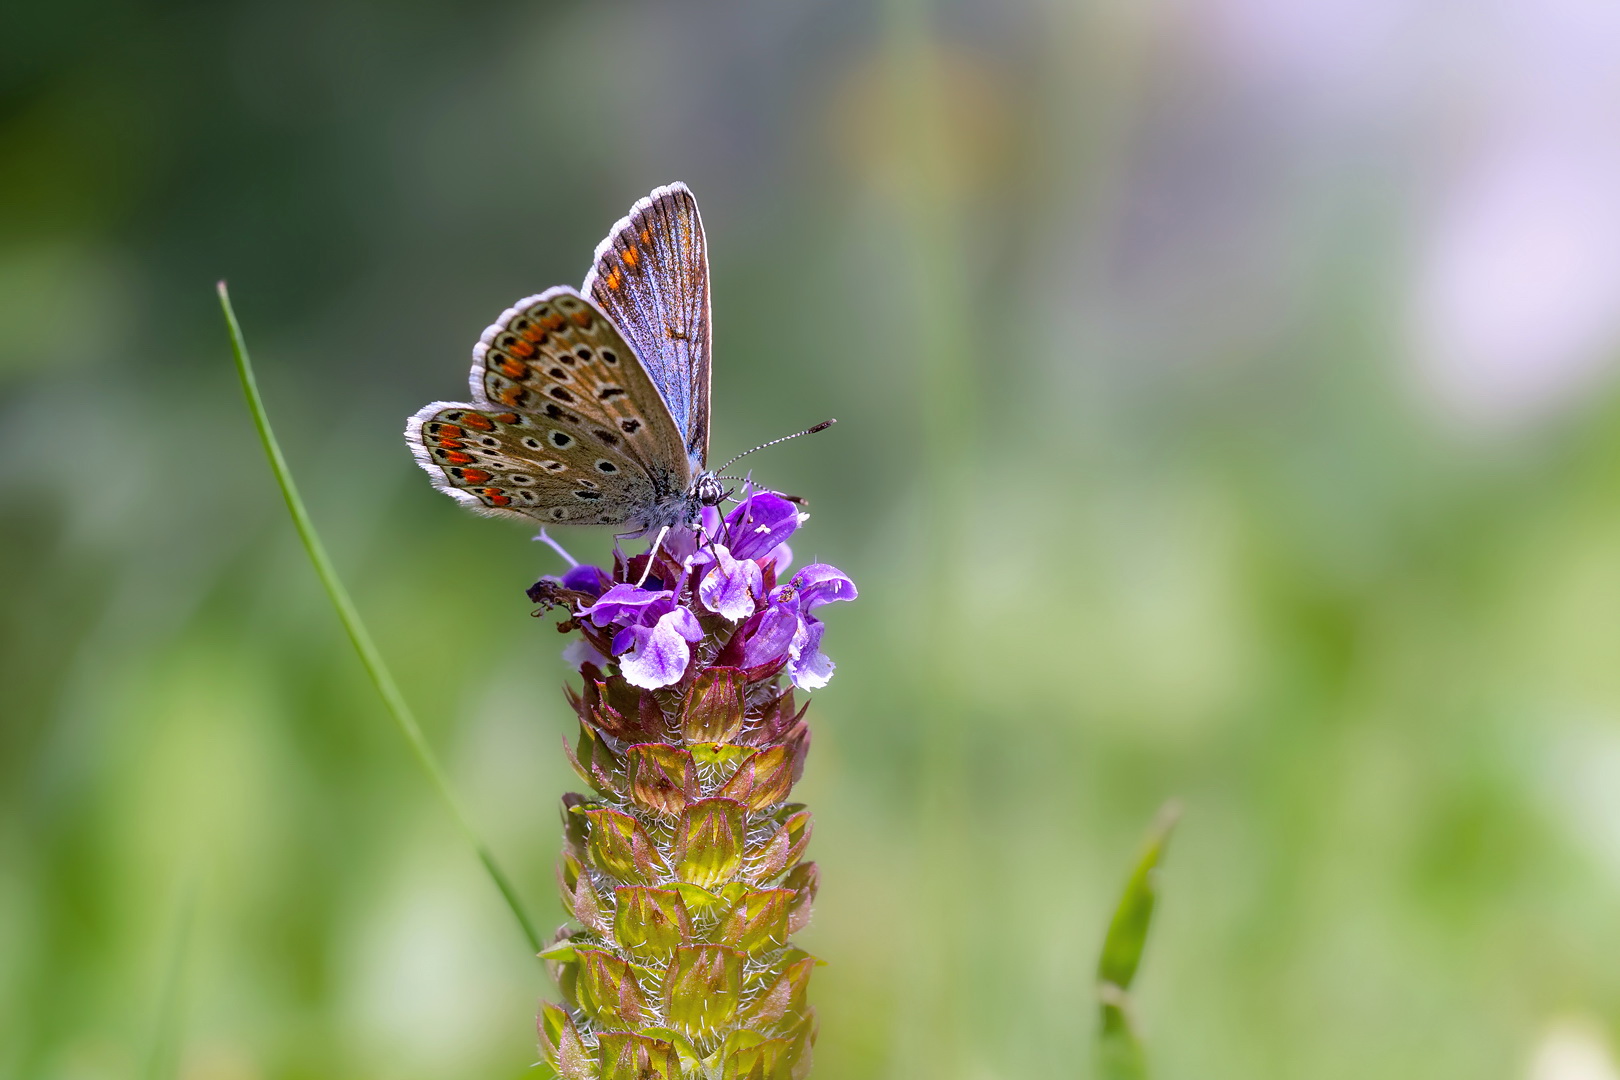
(629,604)
(684,623)
(809,669)
(660,655)
(764,520)
(819,584)
(771,636)
(730,588)
(586,579)
(681,543)
(628,638)
(782,556)
(581,652)
(711,522)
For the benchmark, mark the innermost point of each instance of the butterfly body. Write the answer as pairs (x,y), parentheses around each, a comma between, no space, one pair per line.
(591,408)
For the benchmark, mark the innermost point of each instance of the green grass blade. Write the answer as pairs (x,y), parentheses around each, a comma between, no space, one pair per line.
(1119,1046)
(369,656)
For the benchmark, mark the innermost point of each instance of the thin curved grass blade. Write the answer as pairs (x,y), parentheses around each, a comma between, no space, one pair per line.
(349,615)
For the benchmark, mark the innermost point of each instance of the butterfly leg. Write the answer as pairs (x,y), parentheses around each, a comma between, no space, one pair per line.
(652,555)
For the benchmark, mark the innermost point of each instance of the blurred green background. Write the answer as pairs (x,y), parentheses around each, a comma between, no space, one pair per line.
(1226,411)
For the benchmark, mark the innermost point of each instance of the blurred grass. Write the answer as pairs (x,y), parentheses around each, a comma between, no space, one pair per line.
(1120,1052)
(163,1060)
(1211,535)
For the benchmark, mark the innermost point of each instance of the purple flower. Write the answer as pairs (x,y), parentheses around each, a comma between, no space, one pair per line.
(787,631)
(718,568)
(731,586)
(820,584)
(761,522)
(652,633)
(656,656)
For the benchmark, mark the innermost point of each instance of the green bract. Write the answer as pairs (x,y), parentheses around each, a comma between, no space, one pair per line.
(683,873)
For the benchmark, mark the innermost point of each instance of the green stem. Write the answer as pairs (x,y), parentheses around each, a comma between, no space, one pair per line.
(369,656)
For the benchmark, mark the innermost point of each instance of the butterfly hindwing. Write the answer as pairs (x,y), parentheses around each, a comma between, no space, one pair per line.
(498,463)
(565,425)
(651,277)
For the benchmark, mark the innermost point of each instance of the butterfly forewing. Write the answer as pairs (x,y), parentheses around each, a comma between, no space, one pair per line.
(564,425)
(651,277)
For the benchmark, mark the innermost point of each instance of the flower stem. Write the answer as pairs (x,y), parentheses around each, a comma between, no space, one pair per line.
(381,678)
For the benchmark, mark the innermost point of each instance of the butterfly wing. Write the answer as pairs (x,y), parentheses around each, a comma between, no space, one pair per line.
(651,277)
(564,424)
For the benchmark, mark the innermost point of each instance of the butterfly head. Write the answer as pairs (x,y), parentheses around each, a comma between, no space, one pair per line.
(707,489)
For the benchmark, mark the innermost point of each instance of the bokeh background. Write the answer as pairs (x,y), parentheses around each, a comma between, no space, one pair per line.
(1227,411)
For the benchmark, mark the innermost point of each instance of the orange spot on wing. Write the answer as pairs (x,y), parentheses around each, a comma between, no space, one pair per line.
(513,369)
(493,494)
(449,431)
(553,321)
(475,476)
(507,417)
(450,444)
(613,279)
(458,458)
(632,256)
(509,395)
(474,420)
(582,319)
(646,237)
(521,348)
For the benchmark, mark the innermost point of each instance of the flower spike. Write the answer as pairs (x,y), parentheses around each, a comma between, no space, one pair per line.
(683,868)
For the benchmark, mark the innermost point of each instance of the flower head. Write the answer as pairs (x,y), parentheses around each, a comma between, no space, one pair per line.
(717,599)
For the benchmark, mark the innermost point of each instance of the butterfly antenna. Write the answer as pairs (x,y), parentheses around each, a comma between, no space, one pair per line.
(823,426)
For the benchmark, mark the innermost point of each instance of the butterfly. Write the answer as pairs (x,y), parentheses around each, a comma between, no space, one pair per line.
(592,407)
